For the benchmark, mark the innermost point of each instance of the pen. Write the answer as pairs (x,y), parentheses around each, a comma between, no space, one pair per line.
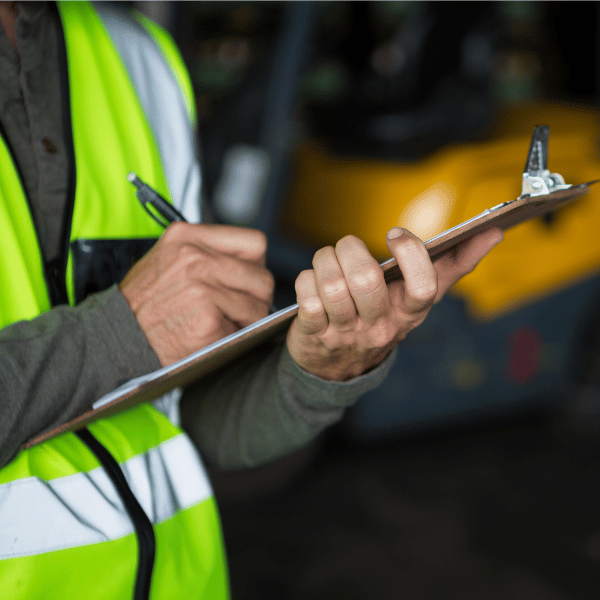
(163,212)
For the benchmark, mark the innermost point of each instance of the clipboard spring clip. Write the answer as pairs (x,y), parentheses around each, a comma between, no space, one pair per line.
(537,179)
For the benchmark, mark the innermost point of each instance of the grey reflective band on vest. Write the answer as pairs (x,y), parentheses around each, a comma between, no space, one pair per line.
(175,137)
(84,508)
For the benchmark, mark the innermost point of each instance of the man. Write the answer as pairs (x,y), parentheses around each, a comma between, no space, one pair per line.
(123,508)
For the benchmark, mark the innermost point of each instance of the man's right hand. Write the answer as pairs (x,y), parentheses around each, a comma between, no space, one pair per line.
(198,284)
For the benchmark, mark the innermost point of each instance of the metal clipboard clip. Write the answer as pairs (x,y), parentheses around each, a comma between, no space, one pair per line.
(537,179)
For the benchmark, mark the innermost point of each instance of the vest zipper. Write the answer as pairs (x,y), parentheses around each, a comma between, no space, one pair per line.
(143,527)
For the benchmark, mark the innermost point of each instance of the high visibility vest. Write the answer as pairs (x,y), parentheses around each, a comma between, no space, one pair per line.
(65,531)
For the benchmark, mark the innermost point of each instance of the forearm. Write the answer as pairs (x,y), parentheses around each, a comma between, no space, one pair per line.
(52,368)
(266,406)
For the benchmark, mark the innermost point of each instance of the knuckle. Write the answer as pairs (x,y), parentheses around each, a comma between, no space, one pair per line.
(194,257)
(196,266)
(365,281)
(198,294)
(336,344)
(383,335)
(176,232)
(426,292)
(345,325)
(188,253)
(312,306)
(334,288)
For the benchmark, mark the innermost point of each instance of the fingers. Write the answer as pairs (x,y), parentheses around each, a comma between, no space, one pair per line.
(231,273)
(247,244)
(365,280)
(420,285)
(323,295)
(349,319)
(204,253)
(197,284)
(237,307)
(347,284)
(312,317)
(457,263)
(333,288)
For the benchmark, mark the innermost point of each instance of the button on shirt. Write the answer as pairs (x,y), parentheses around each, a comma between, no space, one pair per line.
(31,118)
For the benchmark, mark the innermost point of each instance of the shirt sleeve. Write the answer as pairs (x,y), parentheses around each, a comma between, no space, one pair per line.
(265,406)
(53,367)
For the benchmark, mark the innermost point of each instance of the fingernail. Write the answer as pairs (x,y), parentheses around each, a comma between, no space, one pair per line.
(394,232)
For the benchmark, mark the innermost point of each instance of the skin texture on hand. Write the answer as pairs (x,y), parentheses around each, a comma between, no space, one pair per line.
(198,284)
(349,319)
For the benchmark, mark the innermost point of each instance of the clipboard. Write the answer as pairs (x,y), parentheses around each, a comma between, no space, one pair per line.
(542,192)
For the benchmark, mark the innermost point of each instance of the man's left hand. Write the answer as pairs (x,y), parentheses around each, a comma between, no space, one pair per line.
(349,319)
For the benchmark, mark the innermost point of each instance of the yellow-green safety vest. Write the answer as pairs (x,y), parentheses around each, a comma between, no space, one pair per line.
(64,530)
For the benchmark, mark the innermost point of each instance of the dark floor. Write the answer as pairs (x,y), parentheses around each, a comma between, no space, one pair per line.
(497,511)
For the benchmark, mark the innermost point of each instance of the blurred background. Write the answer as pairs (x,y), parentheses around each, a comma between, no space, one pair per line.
(473,471)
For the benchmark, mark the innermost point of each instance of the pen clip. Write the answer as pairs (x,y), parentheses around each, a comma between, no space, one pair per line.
(162,221)
(154,204)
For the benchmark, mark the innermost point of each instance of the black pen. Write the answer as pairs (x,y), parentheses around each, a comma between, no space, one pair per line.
(150,198)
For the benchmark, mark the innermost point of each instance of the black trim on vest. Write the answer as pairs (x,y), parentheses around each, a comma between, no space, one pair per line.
(56,269)
(141,522)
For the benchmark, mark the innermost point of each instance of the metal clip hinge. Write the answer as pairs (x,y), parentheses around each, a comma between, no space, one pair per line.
(537,179)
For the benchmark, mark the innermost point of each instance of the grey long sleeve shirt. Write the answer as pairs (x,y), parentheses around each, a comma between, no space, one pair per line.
(53,367)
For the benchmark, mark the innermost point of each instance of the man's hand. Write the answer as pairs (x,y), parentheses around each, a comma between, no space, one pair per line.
(349,319)
(198,284)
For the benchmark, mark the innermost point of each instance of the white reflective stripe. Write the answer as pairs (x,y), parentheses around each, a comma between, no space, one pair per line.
(40,516)
(164,106)
(167,478)
(168,405)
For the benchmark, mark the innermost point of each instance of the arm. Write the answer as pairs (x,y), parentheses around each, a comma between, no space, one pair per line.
(53,367)
(266,405)
(337,348)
